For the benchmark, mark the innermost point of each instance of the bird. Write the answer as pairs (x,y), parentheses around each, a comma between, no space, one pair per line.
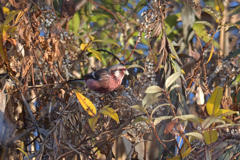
(104,80)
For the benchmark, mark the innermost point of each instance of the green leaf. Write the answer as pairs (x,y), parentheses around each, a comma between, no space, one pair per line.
(140,108)
(150,98)
(209,3)
(75,22)
(159,119)
(173,51)
(210,120)
(161,105)
(103,41)
(174,86)
(153,89)
(229,26)
(183,155)
(140,119)
(110,112)
(135,66)
(92,122)
(189,117)
(170,22)
(219,6)
(135,50)
(228,125)
(234,11)
(233,54)
(201,31)
(236,81)
(178,68)
(210,136)
(213,104)
(196,135)
(226,112)
(140,5)
(9,18)
(171,79)
(212,13)
(205,23)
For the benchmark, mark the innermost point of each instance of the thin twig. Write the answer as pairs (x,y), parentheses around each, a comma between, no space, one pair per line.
(131,53)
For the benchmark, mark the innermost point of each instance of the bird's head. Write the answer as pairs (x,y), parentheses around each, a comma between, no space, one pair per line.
(118,71)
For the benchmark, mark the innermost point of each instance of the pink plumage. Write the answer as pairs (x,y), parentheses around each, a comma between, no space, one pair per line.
(105,80)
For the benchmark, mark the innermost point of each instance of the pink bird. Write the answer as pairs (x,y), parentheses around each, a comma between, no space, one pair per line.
(104,80)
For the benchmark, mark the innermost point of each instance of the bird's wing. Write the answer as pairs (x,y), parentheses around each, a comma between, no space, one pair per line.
(97,74)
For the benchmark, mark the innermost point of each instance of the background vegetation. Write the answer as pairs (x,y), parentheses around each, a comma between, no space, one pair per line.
(180,102)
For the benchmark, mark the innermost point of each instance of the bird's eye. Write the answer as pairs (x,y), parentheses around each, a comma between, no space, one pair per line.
(121,70)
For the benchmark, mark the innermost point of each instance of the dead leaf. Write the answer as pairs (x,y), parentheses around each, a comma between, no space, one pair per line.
(169,127)
(68,9)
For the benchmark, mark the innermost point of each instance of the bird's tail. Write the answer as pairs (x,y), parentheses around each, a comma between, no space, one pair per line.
(74,83)
(75,80)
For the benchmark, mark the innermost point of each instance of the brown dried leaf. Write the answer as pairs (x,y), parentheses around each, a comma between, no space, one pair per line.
(15,4)
(68,8)
(26,64)
(12,41)
(19,4)
(26,34)
(169,127)
(15,65)
(157,30)
(163,57)
(55,30)
(58,51)
(195,55)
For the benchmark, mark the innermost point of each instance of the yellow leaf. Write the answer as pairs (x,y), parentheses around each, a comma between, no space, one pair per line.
(91,37)
(173,56)
(20,14)
(23,152)
(219,5)
(6,31)
(213,104)
(96,54)
(9,18)
(210,136)
(183,155)
(210,56)
(92,122)
(110,112)
(83,46)
(87,105)
(6,10)
(226,112)
(183,71)
(3,50)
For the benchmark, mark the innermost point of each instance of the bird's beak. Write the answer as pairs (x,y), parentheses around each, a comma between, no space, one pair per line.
(126,72)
